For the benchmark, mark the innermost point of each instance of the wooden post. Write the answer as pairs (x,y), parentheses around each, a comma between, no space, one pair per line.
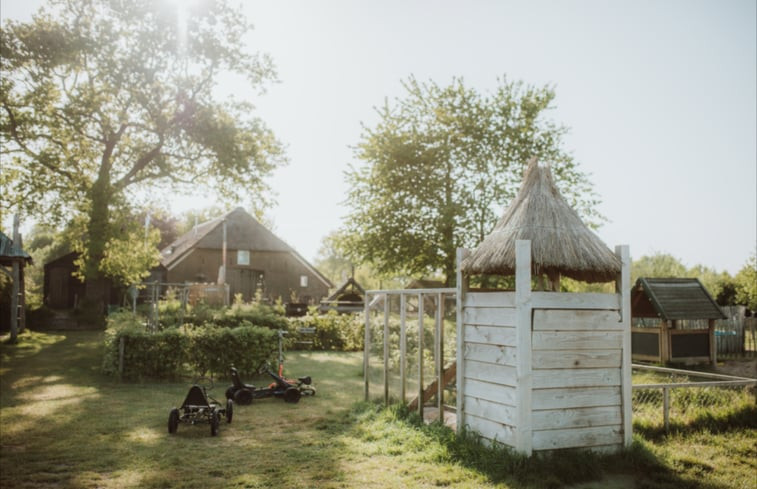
(460,384)
(623,288)
(440,384)
(121,348)
(523,431)
(420,355)
(15,284)
(403,347)
(367,344)
(386,349)
(713,342)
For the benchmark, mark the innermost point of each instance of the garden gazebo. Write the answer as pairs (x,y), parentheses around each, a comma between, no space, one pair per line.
(543,370)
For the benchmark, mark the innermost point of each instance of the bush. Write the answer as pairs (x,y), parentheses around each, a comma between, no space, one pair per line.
(333,331)
(167,353)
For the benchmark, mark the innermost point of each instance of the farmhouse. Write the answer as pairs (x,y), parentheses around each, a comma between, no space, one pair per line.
(256,261)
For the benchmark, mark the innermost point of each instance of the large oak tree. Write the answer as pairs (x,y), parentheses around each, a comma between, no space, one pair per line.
(104,99)
(441,164)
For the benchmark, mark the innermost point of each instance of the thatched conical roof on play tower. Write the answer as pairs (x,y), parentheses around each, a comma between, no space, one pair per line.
(561,244)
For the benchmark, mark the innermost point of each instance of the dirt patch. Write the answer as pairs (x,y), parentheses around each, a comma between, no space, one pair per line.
(740,368)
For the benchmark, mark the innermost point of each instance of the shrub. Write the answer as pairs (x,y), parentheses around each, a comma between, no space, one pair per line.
(146,355)
(213,349)
(333,331)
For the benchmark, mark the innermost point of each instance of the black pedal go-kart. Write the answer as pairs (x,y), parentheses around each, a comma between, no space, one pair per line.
(290,390)
(198,408)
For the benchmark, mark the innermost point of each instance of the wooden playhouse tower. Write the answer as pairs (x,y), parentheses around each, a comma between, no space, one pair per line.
(541,370)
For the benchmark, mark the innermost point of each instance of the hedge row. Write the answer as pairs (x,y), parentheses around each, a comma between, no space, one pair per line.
(333,331)
(204,350)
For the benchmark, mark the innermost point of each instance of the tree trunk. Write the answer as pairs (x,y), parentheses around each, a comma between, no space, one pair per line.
(96,289)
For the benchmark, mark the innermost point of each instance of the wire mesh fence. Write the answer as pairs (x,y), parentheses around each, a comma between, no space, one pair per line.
(664,398)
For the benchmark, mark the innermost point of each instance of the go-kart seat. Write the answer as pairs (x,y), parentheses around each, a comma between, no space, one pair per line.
(238,384)
(195,398)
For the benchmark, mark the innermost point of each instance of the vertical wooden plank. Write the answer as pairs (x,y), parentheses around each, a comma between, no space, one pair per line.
(367,345)
(403,346)
(623,287)
(713,342)
(386,349)
(440,355)
(420,354)
(460,340)
(523,431)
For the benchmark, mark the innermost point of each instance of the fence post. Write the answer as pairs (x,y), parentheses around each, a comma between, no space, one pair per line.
(420,355)
(386,349)
(367,345)
(440,355)
(666,408)
(403,346)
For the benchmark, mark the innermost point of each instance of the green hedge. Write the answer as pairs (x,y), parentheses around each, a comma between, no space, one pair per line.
(207,349)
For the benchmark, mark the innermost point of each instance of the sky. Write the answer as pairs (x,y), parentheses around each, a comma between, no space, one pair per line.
(660,98)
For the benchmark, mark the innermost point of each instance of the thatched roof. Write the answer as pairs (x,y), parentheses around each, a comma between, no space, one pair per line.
(560,242)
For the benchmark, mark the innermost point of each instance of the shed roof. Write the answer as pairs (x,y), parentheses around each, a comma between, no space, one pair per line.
(560,241)
(673,298)
(10,252)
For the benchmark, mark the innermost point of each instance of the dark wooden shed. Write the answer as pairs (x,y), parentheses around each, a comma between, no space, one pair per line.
(667,313)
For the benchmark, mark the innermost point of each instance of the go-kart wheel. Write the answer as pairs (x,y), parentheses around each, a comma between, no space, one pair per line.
(230,392)
(292,395)
(229,410)
(307,390)
(215,421)
(173,420)
(243,397)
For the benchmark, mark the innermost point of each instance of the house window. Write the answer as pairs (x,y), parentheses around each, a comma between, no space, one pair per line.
(303,280)
(243,257)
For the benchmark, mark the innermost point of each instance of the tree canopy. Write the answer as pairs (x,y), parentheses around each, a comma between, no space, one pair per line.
(103,99)
(440,166)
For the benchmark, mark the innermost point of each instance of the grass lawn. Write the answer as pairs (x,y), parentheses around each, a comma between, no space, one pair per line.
(63,424)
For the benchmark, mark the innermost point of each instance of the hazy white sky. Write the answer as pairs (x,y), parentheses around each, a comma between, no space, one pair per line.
(660,97)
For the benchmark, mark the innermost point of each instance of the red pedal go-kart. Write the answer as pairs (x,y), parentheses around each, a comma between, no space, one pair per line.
(198,408)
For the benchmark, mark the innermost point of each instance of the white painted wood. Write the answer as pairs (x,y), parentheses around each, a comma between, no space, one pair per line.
(489,391)
(583,320)
(421,386)
(591,377)
(403,348)
(577,418)
(367,346)
(623,288)
(499,354)
(490,334)
(461,384)
(577,340)
(523,305)
(492,431)
(492,411)
(489,299)
(566,359)
(386,350)
(489,316)
(440,355)
(566,398)
(576,438)
(565,300)
(489,372)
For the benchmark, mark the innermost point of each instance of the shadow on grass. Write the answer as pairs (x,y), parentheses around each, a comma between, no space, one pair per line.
(557,469)
(66,425)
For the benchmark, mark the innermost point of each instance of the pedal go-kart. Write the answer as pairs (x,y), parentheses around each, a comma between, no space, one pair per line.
(290,390)
(198,408)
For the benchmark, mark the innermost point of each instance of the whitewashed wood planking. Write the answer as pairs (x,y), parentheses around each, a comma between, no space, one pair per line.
(491,430)
(566,398)
(490,334)
(560,378)
(488,353)
(491,410)
(490,316)
(489,299)
(565,300)
(489,391)
(577,340)
(489,372)
(585,417)
(575,359)
(585,319)
(570,438)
